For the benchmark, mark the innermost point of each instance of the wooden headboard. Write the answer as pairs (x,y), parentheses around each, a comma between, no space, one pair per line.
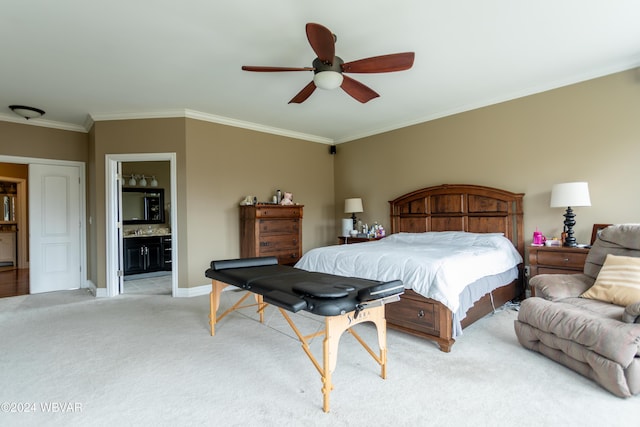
(458,207)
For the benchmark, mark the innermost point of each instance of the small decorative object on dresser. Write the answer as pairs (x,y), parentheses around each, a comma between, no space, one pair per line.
(271,230)
(287,199)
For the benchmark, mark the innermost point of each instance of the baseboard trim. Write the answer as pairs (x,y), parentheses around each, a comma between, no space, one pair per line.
(180,293)
(193,292)
(88,284)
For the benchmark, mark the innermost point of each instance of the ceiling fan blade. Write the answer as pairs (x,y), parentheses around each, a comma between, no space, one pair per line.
(303,94)
(322,42)
(357,90)
(381,64)
(273,69)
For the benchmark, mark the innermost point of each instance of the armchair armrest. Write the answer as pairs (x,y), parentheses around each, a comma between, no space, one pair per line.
(632,313)
(554,287)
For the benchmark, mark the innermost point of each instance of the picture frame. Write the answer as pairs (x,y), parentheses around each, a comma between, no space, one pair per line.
(596,229)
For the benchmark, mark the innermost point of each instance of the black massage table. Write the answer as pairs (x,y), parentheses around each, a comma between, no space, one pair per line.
(343,301)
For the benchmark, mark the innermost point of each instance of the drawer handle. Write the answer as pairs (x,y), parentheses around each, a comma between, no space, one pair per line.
(420,314)
(565,260)
(264,243)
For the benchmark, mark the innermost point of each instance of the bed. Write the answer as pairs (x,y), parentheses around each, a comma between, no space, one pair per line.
(484,214)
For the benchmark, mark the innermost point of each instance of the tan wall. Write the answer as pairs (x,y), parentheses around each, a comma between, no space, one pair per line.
(217,166)
(126,137)
(24,142)
(41,142)
(13,170)
(224,164)
(584,132)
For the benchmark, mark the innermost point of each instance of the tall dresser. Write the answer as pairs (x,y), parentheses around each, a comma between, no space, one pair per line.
(271,230)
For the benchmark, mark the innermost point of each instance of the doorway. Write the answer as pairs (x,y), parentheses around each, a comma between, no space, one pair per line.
(14,271)
(121,172)
(52,273)
(147,242)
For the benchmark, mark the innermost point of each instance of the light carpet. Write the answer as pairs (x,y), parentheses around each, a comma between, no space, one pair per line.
(69,359)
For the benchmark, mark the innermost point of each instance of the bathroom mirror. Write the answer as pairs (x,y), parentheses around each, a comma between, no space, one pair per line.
(141,206)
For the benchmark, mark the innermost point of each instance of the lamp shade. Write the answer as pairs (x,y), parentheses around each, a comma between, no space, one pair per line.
(570,194)
(353,205)
(327,79)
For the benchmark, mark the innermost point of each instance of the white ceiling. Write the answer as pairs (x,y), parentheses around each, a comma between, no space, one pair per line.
(84,60)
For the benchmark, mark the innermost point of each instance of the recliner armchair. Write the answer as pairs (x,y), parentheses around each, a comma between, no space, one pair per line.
(572,320)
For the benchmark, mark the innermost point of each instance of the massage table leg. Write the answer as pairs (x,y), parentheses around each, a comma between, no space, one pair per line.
(334,328)
(214,303)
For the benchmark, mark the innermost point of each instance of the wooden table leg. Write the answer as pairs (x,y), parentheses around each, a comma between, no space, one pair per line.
(334,328)
(214,303)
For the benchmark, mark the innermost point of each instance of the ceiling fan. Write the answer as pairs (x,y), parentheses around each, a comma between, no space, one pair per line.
(328,69)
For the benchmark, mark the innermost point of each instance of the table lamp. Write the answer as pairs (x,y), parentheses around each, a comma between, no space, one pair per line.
(567,195)
(353,206)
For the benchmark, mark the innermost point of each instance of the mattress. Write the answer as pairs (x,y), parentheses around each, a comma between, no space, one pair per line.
(436,265)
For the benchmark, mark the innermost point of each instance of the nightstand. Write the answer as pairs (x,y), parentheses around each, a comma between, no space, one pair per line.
(556,260)
(343,240)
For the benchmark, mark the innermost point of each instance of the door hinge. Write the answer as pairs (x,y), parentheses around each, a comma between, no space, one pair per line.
(120,273)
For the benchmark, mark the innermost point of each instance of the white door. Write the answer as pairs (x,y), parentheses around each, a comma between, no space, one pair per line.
(54,222)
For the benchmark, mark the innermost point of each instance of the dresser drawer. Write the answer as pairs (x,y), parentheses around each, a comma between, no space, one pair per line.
(277,226)
(271,244)
(413,314)
(556,260)
(561,259)
(278,212)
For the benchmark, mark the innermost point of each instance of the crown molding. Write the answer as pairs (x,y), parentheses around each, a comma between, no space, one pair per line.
(257,127)
(168,114)
(197,115)
(42,123)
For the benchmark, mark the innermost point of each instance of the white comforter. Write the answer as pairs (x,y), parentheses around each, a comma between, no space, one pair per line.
(436,265)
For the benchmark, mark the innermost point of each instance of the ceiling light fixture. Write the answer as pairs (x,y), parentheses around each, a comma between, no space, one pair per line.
(27,112)
(328,79)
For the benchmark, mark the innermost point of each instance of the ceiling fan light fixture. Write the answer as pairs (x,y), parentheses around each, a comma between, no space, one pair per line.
(328,80)
(27,112)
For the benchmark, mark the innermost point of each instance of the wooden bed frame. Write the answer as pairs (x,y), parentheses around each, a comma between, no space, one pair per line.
(470,208)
